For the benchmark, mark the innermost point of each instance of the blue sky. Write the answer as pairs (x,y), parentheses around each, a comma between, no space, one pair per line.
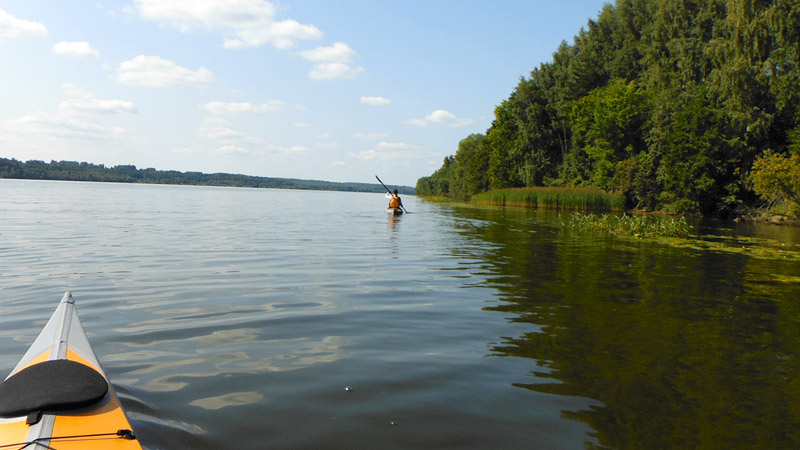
(324,90)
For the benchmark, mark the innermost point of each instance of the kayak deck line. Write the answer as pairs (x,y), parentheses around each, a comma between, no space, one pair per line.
(124,434)
(58,392)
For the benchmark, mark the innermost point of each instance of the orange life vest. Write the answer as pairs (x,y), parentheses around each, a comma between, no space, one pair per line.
(394,202)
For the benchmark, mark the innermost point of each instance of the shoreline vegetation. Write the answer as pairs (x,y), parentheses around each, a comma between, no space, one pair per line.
(75,171)
(583,199)
(642,226)
(593,200)
(684,107)
(676,232)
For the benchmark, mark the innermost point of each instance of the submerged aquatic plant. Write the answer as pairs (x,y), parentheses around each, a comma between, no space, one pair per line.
(628,225)
(677,233)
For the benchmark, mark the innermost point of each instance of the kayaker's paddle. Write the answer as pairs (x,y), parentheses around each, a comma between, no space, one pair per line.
(390,192)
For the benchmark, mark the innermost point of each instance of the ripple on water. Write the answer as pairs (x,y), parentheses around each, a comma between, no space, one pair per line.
(235,317)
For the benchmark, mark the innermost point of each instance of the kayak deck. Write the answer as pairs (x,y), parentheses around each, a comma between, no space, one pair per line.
(394,211)
(58,395)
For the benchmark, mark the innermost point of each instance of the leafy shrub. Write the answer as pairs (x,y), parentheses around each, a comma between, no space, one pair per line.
(776,179)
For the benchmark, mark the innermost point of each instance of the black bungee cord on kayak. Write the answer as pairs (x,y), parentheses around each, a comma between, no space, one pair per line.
(124,434)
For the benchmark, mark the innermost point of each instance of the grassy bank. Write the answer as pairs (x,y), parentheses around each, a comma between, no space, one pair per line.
(585,199)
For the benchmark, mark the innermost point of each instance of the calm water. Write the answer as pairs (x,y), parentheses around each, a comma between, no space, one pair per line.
(236,318)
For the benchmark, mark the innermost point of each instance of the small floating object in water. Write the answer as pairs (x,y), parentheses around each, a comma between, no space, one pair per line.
(348,388)
(392,423)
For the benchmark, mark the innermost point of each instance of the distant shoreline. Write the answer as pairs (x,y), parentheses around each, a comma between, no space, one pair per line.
(82,171)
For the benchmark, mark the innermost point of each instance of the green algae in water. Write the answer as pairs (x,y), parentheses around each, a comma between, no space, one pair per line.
(678,233)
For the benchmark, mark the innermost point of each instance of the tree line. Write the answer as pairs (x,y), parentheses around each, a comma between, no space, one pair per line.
(83,171)
(670,102)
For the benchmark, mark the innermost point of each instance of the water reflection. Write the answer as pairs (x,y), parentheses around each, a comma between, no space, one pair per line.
(393,222)
(229,399)
(176,345)
(222,353)
(684,348)
(394,226)
(218,315)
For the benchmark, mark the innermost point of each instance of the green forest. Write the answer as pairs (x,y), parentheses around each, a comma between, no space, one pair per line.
(82,171)
(679,105)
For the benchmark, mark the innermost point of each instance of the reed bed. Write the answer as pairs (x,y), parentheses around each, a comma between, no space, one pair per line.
(559,198)
(634,226)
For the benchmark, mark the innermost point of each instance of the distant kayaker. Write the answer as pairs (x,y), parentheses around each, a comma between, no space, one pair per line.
(395,201)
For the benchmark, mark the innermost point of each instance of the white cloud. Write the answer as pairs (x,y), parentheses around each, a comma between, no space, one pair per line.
(232,109)
(395,146)
(395,152)
(185,150)
(243,23)
(76,125)
(73,91)
(75,49)
(371,136)
(301,125)
(366,155)
(338,52)
(96,105)
(80,127)
(331,71)
(337,164)
(218,133)
(57,126)
(80,101)
(232,150)
(376,101)
(328,145)
(441,117)
(233,142)
(153,71)
(332,62)
(12,27)
(216,121)
(418,122)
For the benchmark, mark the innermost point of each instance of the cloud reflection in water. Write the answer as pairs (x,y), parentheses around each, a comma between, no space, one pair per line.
(230,399)
(166,361)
